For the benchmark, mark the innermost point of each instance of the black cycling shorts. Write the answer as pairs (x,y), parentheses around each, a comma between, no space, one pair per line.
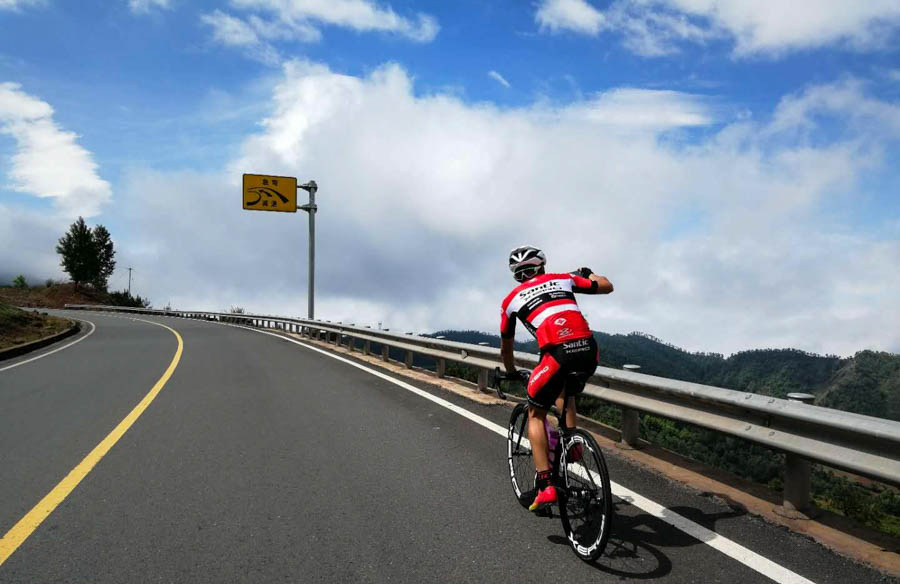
(557,366)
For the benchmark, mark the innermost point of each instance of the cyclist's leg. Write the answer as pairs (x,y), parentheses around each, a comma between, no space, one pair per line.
(543,387)
(571,418)
(540,449)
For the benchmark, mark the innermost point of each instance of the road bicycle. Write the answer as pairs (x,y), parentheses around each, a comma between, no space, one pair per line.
(578,471)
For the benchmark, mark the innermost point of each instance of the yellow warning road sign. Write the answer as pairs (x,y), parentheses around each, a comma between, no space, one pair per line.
(270,193)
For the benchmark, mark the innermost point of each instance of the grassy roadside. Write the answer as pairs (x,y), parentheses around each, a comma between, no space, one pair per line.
(18,326)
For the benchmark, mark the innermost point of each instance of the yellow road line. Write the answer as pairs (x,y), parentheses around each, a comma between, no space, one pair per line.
(26,526)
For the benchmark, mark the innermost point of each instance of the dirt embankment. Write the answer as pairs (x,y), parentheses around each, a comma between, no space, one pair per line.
(19,326)
(55,296)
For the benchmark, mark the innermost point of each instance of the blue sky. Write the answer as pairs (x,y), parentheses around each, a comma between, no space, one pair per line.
(113,74)
(704,126)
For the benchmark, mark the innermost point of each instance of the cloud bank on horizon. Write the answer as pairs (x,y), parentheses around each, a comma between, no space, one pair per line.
(722,229)
(421,197)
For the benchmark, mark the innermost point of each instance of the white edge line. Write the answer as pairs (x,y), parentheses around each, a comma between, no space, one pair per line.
(728,547)
(58,349)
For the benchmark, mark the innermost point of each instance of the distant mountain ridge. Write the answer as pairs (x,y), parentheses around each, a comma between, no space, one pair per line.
(867,383)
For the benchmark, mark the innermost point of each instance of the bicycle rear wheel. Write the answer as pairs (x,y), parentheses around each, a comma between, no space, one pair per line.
(586,507)
(518,454)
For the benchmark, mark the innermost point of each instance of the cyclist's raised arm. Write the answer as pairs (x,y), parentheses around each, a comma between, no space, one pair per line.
(591,283)
(604,286)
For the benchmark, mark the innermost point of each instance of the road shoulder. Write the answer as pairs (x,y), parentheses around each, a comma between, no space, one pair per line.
(834,532)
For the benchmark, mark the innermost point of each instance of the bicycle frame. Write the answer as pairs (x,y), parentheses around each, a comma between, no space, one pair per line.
(564,431)
(580,476)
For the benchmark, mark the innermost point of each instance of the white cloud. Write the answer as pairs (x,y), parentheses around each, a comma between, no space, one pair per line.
(235,32)
(421,197)
(298,20)
(27,244)
(577,15)
(145,6)
(19,4)
(48,161)
(499,79)
(773,25)
(646,32)
(632,108)
(658,27)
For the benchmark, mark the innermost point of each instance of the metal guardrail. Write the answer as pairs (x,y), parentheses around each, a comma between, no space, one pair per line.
(863,445)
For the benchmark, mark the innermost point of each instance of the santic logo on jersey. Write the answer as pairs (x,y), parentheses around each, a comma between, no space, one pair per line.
(539,289)
(559,321)
(577,346)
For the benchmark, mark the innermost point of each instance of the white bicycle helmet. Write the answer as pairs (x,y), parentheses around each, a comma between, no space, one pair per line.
(526,262)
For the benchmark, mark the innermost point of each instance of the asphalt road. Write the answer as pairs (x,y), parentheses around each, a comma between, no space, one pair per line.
(263,461)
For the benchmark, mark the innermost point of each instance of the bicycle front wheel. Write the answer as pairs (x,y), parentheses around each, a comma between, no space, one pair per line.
(518,455)
(586,509)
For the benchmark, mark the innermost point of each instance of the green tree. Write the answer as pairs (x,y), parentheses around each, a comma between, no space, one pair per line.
(79,257)
(105,253)
(19,282)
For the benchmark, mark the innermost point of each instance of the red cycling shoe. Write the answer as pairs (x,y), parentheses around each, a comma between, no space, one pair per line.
(544,499)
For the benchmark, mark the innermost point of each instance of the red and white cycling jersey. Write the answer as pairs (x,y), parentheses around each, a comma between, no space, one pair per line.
(546,306)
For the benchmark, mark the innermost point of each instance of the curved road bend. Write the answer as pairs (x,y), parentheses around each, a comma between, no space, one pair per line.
(263,461)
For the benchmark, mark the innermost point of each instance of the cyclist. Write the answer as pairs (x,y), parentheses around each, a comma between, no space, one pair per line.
(545,303)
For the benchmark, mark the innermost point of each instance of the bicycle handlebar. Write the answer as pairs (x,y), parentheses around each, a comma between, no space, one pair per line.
(520,376)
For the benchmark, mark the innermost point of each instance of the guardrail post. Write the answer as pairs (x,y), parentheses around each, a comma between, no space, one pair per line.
(409,360)
(367,348)
(441,367)
(351,344)
(482,380)
(385,353)
(796,473)
(631,420)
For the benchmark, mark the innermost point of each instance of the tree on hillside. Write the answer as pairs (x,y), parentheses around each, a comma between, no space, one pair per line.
(106,264)
(79,258)
(87,254)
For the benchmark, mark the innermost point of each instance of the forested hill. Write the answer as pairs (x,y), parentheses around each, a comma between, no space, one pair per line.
(867,383)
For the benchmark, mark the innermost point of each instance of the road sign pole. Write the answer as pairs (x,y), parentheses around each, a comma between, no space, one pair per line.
(311,208)
(279,193)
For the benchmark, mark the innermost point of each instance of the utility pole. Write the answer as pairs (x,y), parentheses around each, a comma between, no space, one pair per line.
(129,280)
